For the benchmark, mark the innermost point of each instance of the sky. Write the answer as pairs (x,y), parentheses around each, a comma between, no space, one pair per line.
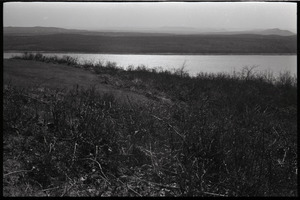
(198,15)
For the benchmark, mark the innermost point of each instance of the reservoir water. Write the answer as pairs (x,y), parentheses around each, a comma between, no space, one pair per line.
(193,63)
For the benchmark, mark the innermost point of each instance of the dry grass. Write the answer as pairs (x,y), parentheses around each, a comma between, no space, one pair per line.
(219,136)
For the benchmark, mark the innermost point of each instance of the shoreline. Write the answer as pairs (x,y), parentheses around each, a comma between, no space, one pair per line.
(122,53)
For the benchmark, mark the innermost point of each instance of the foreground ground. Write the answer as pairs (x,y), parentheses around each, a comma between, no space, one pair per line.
(89,130)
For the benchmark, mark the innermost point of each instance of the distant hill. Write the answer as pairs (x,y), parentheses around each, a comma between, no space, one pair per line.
(188,30)
(153,44)
(166,30)
(274,31)
(38,30)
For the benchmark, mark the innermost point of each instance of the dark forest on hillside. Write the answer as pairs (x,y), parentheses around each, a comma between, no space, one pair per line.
(178,44)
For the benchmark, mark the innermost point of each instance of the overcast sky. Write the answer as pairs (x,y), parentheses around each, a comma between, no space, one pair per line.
(96,15)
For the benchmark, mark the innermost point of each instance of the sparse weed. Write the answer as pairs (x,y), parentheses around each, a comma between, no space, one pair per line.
(222,135)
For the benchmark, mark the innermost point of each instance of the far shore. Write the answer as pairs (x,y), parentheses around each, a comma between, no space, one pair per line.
(129,53)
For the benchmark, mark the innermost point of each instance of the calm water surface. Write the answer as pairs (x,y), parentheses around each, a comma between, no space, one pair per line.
(193,63)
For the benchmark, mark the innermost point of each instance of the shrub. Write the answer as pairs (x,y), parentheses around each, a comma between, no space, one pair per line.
(221,135)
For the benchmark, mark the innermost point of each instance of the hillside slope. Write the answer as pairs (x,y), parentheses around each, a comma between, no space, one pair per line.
(25,73)
(220,135)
